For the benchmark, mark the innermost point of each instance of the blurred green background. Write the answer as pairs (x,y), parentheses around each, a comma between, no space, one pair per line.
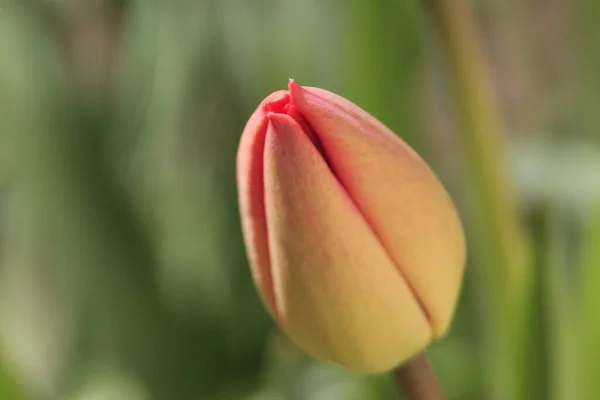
(122,270)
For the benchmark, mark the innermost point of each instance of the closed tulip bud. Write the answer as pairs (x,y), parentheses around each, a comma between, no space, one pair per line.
(353,243)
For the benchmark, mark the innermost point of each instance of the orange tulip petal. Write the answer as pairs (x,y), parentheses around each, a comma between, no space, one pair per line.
(339,295)
(399,196)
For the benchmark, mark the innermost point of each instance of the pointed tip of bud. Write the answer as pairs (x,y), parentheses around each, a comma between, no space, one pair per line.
(296,92)
(293,85)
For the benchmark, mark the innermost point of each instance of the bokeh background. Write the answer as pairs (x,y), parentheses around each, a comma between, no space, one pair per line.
(122,270)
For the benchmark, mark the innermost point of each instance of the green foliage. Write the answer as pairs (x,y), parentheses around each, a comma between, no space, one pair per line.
(9,387)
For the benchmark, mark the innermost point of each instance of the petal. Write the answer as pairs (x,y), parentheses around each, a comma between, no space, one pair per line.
(251,202)
(339,295)
(399,196)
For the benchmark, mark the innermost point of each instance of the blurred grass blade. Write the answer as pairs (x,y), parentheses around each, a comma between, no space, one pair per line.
(553,320)
(589,306)
(589,278)
(384,62)
(9,387)
(501,246)
(561,321)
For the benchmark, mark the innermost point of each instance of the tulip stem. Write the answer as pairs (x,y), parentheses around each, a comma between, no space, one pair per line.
(417,380)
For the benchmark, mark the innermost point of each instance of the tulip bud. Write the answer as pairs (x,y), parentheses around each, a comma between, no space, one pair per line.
(355,246)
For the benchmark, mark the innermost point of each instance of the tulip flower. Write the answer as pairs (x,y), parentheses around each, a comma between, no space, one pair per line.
(353,243)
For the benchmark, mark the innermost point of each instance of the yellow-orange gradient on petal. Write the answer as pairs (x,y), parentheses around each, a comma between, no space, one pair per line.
(353,242)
